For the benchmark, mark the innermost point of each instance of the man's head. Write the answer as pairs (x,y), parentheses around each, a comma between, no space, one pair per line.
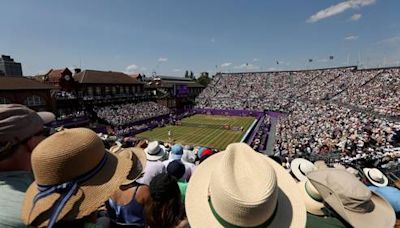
(20,129)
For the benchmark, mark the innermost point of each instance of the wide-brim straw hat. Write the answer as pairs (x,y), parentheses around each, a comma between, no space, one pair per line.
(300,167)
(138,158)
(63,157)
(320,164)
(244,188)
(351,199)
(154,151)
(376,177)
(311,197)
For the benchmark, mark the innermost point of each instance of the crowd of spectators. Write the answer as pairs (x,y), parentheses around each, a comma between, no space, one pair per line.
(68,115)
(125,114)
(327,128)
(373,89)
(127,182)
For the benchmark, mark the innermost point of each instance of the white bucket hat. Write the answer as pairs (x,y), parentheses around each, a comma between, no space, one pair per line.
(376,177)
(154,151)
(240,187)
(351,199)
(300,167)
(311,197)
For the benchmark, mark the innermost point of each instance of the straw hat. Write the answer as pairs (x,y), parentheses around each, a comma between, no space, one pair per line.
(376,177)
(138,158)
(154,151)
(320,164)
(351,199)
(73,166)
(241,187)
(311,198)
(300,167)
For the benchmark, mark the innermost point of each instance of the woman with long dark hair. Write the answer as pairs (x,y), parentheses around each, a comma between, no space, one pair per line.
(166,209)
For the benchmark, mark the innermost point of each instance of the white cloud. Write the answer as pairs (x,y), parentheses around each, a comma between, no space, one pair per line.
(226,64)
(131,68)
(176,70)
(356,17)
(212,40)
(339,8)
(351,37)
(161,59)
(247,66)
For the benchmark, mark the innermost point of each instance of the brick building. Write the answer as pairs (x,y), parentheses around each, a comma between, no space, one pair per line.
(23,90)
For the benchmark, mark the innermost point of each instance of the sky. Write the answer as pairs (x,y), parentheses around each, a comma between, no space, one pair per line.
(171,36)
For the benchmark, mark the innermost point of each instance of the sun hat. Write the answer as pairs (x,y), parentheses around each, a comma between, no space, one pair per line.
(188,156)
(320,164)
(376,177)
(241,187)
(18,123)
(176,168)
(338,166)
(138,158)
(300,167)
(154,151)
(391,194)
(74,176)
(176,152)
(188,147)
(351,199)
(352,170)
(311,197)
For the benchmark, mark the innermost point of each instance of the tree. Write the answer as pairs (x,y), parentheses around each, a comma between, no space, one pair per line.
(191,75)
(186,74)
(204,79)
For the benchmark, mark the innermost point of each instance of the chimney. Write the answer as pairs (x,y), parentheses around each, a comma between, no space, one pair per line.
(77,70)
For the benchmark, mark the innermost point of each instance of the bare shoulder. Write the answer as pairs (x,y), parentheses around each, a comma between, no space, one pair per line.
(143,194)
(183,224)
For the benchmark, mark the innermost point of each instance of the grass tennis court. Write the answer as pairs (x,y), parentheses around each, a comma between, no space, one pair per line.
(202,130)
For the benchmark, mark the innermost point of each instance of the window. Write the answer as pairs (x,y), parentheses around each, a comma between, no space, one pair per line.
(34,101)
(90,91)
(127,89)
(114,90)
(134,89)
(4,100)
(98,90)
(107,90)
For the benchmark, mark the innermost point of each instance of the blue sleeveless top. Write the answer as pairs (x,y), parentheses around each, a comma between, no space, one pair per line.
(131,213)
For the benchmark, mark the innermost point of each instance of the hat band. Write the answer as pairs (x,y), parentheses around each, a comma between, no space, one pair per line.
(66,190)
(227,224)
(313,196)
(382,181)
(157,152)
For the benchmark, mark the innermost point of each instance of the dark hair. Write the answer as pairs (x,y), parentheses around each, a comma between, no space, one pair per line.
(166,209)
